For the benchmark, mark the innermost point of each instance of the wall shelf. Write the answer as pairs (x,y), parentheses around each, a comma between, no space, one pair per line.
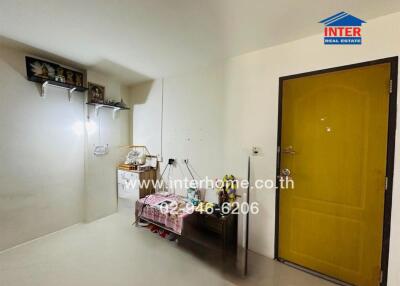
(47,82)
(115,109)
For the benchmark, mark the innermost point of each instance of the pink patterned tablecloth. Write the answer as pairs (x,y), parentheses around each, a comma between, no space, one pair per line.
(171,219)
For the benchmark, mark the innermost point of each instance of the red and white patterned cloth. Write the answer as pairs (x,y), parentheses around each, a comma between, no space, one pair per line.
(151,211)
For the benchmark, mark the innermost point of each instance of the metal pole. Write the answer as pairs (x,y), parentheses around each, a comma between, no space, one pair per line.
(247,219)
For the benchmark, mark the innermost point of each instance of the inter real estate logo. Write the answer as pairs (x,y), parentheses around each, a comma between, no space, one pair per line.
(342,29)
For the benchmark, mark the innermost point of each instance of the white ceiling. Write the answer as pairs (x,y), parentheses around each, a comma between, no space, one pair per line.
(141,39)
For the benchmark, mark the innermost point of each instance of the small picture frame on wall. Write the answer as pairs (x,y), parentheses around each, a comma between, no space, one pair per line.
(96,93)
(40,69)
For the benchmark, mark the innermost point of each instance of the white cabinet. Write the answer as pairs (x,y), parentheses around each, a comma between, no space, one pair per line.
(128,185)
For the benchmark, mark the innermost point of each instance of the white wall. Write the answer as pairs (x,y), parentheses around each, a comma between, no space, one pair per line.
(146,107)
(100,171)
(49,178)
(248,87)
(41,156)
(190,110)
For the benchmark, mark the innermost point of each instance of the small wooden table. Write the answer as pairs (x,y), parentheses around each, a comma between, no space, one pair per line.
(212,231)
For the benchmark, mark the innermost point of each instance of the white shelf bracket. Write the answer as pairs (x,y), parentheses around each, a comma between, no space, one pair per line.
(115,112)
(97,109)
(70,91)
(44,86)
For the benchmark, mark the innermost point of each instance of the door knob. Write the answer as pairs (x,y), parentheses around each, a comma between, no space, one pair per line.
(285,172)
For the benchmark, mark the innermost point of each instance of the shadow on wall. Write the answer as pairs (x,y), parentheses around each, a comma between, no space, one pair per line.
(14,62)
(18,46)
(124,75)
(142,92)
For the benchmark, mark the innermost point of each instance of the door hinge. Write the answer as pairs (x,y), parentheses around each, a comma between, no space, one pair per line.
(391,86)
(386,183)
(381,277)
(279,149)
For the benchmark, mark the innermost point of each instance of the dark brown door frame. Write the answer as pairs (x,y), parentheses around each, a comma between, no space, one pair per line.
(389,158)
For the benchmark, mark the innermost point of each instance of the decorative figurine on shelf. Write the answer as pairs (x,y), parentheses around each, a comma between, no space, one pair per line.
(227,190)
(111,102)
(121,104)
(59,78)
(60,75)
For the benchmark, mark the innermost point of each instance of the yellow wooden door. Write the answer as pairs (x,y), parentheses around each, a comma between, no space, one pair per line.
(334,142)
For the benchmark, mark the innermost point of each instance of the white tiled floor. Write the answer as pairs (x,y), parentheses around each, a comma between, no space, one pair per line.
(112,252)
